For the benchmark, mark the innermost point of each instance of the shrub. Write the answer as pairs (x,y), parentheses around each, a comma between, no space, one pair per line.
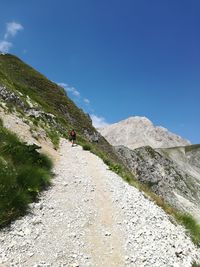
(115,168)
(86,147)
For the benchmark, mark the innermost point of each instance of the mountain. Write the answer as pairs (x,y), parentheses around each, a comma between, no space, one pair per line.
(137,131)
(163,161)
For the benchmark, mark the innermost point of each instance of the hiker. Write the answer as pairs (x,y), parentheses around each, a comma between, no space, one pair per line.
(72,136)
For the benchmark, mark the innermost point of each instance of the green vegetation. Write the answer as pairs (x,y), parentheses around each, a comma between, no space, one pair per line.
(21,78)
(192,147)
(24,172)
(195,264)
(54,137)
(191,225)
(87,147)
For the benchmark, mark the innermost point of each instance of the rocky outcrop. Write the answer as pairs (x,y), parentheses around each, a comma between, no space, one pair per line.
(33,110)
(165,176)
(137,131)
(186,157)
(11,97)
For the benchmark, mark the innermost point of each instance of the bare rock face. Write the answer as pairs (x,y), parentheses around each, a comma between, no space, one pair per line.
(169,172)
(137,131)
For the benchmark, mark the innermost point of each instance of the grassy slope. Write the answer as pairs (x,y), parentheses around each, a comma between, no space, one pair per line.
(24,172)
(18,76)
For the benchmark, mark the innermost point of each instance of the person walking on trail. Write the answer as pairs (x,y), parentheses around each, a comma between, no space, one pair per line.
(72,137)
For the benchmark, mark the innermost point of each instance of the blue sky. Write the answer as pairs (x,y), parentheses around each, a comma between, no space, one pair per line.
(116,58)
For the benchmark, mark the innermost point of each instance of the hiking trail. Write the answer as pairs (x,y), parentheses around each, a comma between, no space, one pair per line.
(89,217)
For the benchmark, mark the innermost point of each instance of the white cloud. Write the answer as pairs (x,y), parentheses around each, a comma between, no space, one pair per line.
(70,89)
(5,47)
(98,122)
(74,91)
(86,101)
(12,28)
(62,84)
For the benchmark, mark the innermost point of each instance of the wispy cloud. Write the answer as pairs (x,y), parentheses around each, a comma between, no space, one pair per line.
(70,89)
(98,122)
(12,29)
(5,47)
(86,101)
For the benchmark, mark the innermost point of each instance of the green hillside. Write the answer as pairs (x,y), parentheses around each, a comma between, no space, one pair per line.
(24,81)
(18,76)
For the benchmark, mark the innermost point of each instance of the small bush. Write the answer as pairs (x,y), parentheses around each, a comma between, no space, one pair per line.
(107,161)
(87,147)
(116,168)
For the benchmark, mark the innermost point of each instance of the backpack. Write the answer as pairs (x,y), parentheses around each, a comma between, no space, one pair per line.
(73,133)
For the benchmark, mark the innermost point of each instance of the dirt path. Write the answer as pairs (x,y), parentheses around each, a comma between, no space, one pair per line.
(91,218)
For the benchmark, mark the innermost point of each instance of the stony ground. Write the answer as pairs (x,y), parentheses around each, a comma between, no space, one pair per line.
(90,217)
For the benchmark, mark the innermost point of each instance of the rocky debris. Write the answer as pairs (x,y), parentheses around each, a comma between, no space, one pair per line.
(92,136)
(90,217)
(173,183)
(137,132)
(31,109)
(11,97)
(36,113)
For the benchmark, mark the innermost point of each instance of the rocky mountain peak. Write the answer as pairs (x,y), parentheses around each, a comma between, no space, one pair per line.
(139,131)
(137,119)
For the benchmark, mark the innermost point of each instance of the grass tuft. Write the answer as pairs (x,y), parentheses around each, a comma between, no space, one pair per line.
(191,225)
(54,136)
(87,147)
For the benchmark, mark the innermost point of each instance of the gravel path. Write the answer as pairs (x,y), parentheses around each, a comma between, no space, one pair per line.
(90,217)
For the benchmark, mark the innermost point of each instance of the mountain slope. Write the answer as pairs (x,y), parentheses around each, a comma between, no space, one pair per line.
(45,105)
(169,172)
(137,131)
(186,157)
(25,81)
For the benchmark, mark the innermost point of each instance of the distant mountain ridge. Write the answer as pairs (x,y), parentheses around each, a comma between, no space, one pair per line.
(138,131)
